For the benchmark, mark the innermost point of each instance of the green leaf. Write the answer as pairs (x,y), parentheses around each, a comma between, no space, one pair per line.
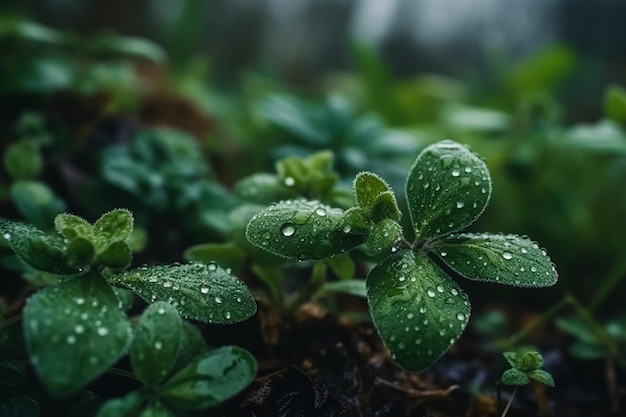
(22,160)
(447,189)
(36,202)
(74,331)
(157,342)
(301,230)
(588,350)
(525,361)
(354,287)
(416,308)
(367,187)
(384,207)
(80,252)
(199,291)
(504,259)
(228,255)
(114,225)
(156,409)
(127,406)
(514,377)
(578,328)
(211,378)
(383,236)
(615,103)
(341,265)
(117,255)
(70,226)
(37,249)
(264,188)
(192,344)
(542,376)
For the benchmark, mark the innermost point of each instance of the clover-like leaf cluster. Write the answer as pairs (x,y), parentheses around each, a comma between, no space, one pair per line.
(525,366)
(416,306)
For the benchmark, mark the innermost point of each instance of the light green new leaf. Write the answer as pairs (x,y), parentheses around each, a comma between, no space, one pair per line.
(74,331)
(36,248)
(384,207)
(417,309)
(114,225)
(367,187)
(156,344)
(211,378)
(383,236)
(199,291)
(342,266)
(504,259)
(514,377)
(447,189)
(70,226)
(301,229)
(116,255)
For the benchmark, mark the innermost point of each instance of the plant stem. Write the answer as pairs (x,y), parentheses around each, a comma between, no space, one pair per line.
(508,405)
(318,278)
(607,286)
(122,372)
(540,321)
(11,321)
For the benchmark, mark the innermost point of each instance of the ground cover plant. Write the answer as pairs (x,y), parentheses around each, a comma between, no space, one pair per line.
(172,249)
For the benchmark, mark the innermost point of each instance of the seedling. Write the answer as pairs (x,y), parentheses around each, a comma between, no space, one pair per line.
(417,308)
(76,330)
(526,366)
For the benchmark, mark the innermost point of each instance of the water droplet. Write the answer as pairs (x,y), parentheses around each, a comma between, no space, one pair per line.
(524,250)
(460,316)
(320,211)
(212,267)
(409,316)
(152,279)
(218,300)
(70,340)
(460,204)
(79,328)
(227,315)
(266,235)
(238,299)
(426,185)
(413,279)
(522,269)
(439,288)
(167,284)
(94,303)
(158,345)
(102,331)
(430,293)
(482,190)
(84,316)
(287,229)
(456,172)
(402,278)
(418,341)
(290,181)
(204,290)
(422,310)
(507,255)
(454,292)
(442,253)
(7,236)
(533,269)
(468,169)
(425,322)
(80,301)
(347,228)
(161,311)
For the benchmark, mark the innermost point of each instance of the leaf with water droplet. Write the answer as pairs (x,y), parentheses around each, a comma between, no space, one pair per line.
(385,206)
(113,226)
(503,259)
(128,406)
(157,340)
(36,248)
(204,292)
(70,226)
(383,236)
(447,189)
(416,308)
(367,187)
(210,379)
(74,332)
(262,188)
(227,255)
(301,230)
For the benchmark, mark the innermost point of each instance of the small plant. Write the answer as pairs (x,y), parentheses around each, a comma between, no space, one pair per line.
(417,309)
(526,366)
(77,330)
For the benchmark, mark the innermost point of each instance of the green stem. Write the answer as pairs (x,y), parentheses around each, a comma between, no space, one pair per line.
(11,321)
(607,286)
(122,372)
(517,338)
(508,405)
(318,278)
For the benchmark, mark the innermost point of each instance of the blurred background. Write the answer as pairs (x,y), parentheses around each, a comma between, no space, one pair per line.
(536,87)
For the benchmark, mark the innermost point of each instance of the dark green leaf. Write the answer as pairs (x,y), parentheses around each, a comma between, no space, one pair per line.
(37,249)
(384,207)
(117,255)
(127,406)
(70,226)
(157,341)
(19,407)
(36,202)
(211,378)
(504,259)
(192,344)
(447,189)
(301,230)
(351,286)
(514,377)
(156,409)
(542,376)
(199,291)
(80,252)
(578,328)
(383,236)
(74,331)
(417,309)
(367,187)
(22,160)
(227,255)
(342,266)
(114,225)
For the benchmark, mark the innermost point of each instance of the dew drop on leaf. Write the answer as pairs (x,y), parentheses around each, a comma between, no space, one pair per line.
(288,229)
(507,255)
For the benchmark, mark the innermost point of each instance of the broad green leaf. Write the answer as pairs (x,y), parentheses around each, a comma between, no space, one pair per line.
(384,207)
(199,291)
(301,230)
(416,308)
(514,377)
(354,287)
(211,378)
(127,406)
(114,225)
(615,103)
(70,226)
(74,331)
(542,376)
(22,160)
(36,202)
(341,265)
(116,255)
(603,136)
(504,259)
(447,189)
(383,236)
(228,255)
(367,187)
(36,248)
(156,344)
